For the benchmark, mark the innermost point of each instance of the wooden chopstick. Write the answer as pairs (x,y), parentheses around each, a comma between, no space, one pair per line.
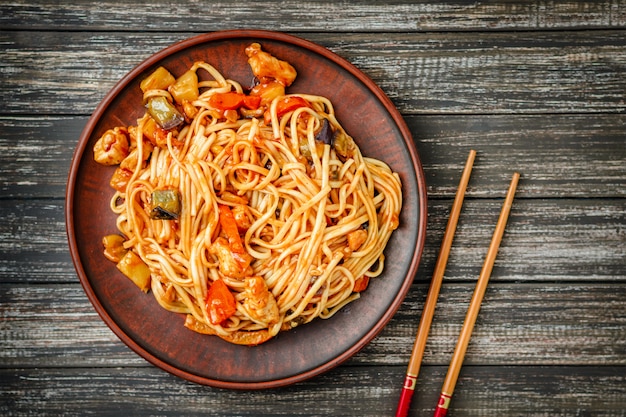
(433,293)
(474,307)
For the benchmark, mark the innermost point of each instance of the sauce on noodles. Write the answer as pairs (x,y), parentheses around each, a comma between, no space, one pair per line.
(251,212)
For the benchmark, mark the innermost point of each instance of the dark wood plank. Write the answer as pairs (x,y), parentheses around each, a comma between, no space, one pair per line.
(37,153)
(364,391)
(519,324)
(56,325)
(554,240)
(573,155)
(33,242)
(568,155)
(290,15)
(538,72)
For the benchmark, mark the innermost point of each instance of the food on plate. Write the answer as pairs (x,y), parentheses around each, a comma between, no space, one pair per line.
(249,211)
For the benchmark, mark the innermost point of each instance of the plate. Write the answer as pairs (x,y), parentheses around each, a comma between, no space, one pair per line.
(294,356)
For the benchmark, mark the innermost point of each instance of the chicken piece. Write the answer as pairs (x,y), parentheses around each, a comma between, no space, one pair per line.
(130,162)
(356,239)
(242,218)
(264,65)
(112,147)
(231,264)
(259,302)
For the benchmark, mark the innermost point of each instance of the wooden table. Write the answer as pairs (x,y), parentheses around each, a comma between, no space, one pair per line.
(536,86)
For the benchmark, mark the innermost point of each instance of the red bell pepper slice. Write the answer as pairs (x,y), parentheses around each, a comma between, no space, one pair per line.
(220,302)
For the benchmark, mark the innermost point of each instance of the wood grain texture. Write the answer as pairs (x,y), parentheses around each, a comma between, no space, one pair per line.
(328,16)
(362,391)
(539,72)
(572,155)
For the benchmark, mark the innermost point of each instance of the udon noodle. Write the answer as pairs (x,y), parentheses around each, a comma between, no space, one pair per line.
(249,216)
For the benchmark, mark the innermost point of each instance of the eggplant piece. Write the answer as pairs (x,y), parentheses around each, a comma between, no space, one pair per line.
(164,113)
(343,144)
(165,204)
(325,135)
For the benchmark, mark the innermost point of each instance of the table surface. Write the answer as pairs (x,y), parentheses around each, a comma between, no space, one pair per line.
(537,87)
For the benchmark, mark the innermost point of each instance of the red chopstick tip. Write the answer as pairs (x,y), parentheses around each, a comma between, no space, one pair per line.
(442,407)
(440,412)
(405,397)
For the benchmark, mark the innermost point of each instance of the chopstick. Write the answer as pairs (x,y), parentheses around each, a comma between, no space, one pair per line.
(433,293)
(474,307)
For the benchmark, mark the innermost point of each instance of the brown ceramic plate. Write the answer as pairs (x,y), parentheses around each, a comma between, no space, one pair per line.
(158,335)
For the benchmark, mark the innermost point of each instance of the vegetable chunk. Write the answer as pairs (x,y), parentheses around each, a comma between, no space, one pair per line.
(185,88)
(134,268)
(165,204)
(220,302)
(164,113)
(160,79)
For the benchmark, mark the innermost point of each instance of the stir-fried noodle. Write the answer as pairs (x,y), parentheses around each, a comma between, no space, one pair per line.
(269,216)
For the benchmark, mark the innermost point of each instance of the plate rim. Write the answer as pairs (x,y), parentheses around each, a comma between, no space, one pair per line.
(222,35)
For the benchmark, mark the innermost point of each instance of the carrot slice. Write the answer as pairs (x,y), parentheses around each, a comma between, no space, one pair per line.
(361,284)
(251,102)
(229,227)
(226,101)
(233,101)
